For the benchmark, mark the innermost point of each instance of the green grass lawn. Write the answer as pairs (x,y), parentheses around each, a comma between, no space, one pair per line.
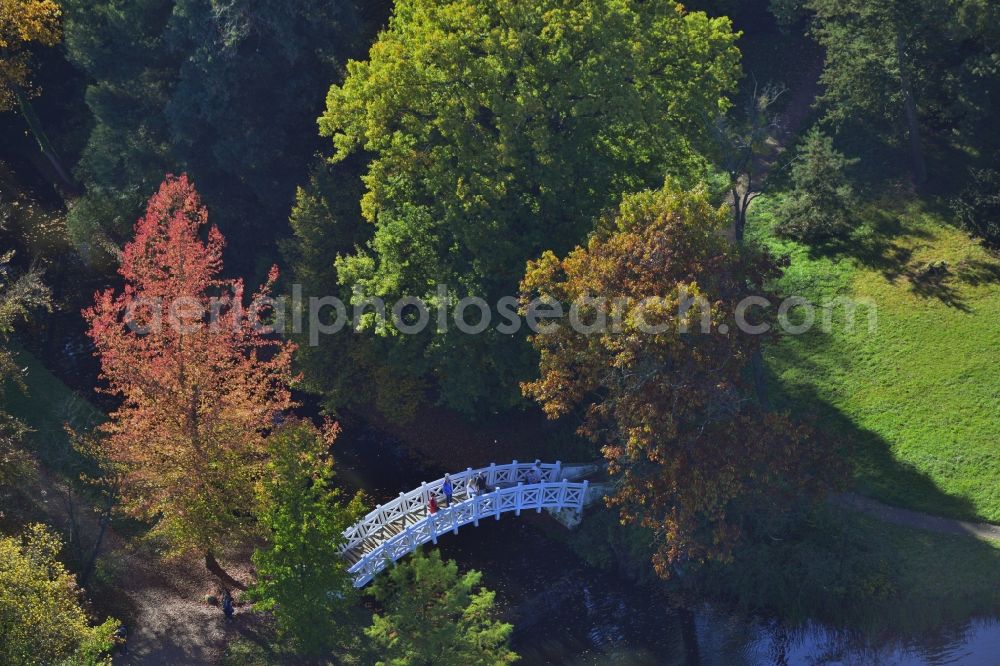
(920,397)
(856,572)
(46,407)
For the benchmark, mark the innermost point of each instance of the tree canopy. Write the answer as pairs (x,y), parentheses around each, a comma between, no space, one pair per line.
(42,620)
(878,57)
(913,66)
(496,130)
(432,614)
(663,386)
(301,575)
(226,91)
(23,22)
(200,381)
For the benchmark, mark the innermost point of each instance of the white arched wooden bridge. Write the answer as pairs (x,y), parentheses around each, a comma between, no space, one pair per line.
(398,528)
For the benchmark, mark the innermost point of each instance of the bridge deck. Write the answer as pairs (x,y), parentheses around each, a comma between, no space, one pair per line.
(396,529)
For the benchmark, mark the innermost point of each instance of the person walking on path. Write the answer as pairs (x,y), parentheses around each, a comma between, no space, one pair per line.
(448,489)
(227,605)
(120,638)
(432,505)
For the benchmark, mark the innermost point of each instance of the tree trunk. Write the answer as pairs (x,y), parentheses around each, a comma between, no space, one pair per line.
(760,386)
(64,181)
(740,207)
(88,566)
(739,217)
(216,570)
(917,164)
(87,559)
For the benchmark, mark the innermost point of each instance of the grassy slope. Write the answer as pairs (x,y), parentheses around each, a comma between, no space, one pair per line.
(45,407)
(936,579)
(856,572)
(920,398)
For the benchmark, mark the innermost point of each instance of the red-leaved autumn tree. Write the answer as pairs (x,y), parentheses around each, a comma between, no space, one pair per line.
(201,382)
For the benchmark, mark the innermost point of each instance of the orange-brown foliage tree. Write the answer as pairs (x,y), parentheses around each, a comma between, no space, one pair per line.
(690,450)
(201,381)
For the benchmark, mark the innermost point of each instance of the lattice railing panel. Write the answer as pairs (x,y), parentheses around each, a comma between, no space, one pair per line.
(546,495)
(386,519)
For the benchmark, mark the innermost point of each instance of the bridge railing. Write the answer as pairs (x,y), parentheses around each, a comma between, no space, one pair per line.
(556,495)
(392,513)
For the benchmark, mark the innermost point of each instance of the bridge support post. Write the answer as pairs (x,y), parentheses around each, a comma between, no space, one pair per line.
(496,503)
(541,497)
(491,478)
(476,506)
(583,496)
(557,471)
(519,497)
(434,529)
(562,494)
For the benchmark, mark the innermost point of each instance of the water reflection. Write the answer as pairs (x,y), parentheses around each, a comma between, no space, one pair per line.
(567,613)
(976,643)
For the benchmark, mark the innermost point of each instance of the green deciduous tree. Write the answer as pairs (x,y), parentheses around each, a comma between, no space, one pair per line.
(349,368)
(819,205)
(663,386)
(301,575)
(740,145)
(499,129)
(41,619)
(434,615)
(973,84)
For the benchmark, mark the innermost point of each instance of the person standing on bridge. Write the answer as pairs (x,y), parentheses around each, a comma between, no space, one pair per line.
(432,505)
(472,487)
(448,489)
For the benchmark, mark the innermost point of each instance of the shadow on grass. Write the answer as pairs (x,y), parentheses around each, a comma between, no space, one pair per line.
(46,407)
(881,582)
(887,245)
(877,472)
(934,281)
(975,273)
(879,245)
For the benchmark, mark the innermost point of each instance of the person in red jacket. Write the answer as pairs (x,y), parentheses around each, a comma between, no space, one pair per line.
(432,505)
